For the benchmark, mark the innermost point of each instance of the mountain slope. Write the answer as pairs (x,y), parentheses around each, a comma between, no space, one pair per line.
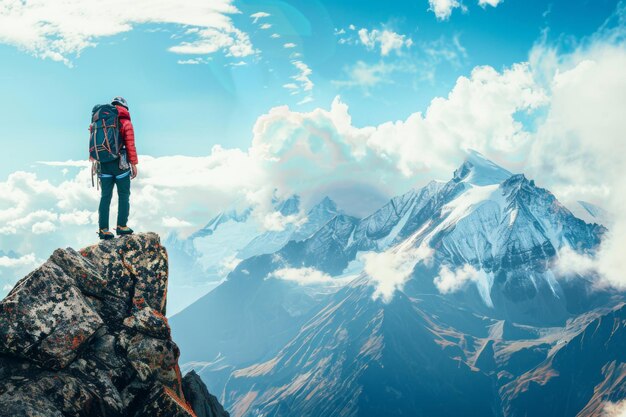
(365,358)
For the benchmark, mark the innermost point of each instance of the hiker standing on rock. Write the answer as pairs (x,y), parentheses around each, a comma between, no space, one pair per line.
(114,156)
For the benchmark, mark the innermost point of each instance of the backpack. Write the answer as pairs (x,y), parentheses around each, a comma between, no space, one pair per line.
(104,136)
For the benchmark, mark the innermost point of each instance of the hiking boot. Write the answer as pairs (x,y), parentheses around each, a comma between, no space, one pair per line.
(105,234)
(123,230)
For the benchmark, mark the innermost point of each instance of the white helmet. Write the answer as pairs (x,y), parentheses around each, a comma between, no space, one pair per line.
(120,100)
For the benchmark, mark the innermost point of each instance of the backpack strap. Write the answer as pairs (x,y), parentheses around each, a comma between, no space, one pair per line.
(95,172)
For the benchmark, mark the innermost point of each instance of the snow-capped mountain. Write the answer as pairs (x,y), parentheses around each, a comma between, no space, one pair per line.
(274,346)
(202,260)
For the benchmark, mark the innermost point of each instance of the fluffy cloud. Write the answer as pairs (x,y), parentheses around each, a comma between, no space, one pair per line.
(617,409)
(386,40)
(492,3)
(383,40)
(26,260)
(388,271)
(58,30)
(579,146)
(443,8)
(304,276)
(449,281)
(174,222)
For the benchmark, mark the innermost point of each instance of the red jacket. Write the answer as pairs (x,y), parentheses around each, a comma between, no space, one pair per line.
(127,133)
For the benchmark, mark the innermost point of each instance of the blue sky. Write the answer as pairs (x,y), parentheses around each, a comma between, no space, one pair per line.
(185,109)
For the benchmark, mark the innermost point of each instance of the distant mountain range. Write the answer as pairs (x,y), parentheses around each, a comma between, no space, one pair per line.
(202,260)
(445,301)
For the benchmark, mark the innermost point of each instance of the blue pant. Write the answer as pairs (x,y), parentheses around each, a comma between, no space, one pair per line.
(111,175)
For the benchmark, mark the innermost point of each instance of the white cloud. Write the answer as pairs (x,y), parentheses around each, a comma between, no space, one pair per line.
(69,163)
(266,26)
(388,271)
(191,61)
(235,43)
(492,3)
(614,409)
(579,146)
(289,45)
(62,29)
(78,217)
(275,36)
(304,276)
(443,8)
(174,222)
(229,264)
(449,281)
(41,228)
(26,260)
(386,40)
(259,15)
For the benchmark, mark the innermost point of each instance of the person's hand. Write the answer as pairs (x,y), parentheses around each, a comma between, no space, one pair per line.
(133,171)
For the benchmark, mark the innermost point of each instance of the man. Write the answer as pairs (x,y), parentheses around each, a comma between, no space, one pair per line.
(118,173)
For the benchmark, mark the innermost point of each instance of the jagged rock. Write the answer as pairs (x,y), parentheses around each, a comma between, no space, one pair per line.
(163,402)
(85,335)
(203,403)
(485,359)
(46,318)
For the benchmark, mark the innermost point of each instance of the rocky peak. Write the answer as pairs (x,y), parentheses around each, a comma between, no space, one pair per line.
(325,205)
(478,170)
(85,334)
(289,206)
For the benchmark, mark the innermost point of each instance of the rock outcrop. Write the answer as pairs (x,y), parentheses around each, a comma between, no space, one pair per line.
(203,403)
(85,334)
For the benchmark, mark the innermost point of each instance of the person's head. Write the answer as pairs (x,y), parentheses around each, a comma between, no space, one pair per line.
(121,101)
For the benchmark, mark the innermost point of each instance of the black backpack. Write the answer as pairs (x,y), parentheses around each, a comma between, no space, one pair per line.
(104,133)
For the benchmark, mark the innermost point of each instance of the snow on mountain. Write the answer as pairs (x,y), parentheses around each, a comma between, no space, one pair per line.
(201,261)
(272,241)
(591,213)
(478,170)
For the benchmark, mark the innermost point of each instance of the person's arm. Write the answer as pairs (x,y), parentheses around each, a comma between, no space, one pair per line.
(128,132)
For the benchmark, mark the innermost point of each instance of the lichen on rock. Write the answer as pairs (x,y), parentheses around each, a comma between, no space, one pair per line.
(85,334)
